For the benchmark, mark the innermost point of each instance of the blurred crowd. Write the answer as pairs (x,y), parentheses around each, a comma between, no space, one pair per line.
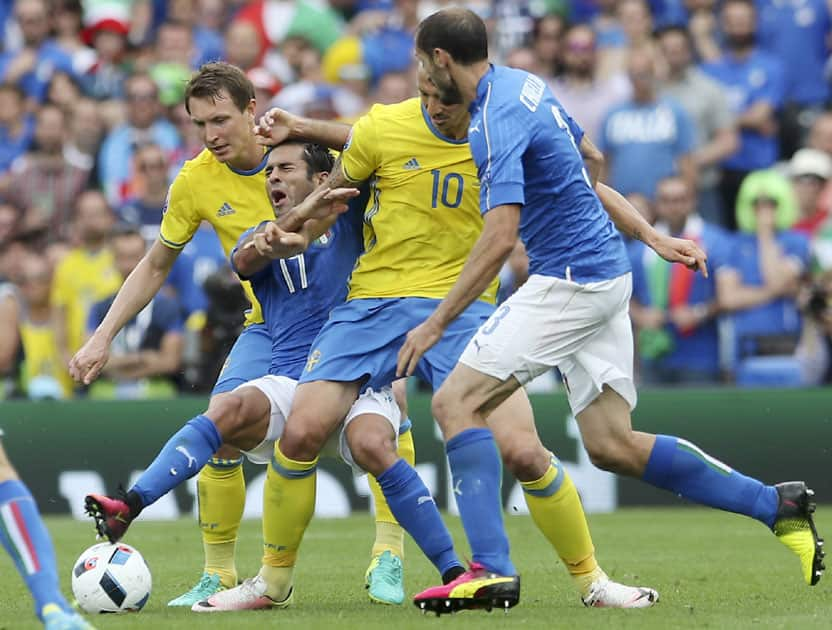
(712,116)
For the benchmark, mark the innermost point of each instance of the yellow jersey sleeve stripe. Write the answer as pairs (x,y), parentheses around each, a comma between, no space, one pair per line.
(172,244)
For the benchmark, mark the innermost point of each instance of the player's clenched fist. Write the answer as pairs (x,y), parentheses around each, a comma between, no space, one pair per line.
(88,362)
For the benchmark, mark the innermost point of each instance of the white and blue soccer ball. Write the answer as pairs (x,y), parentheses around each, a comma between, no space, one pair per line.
(111,578)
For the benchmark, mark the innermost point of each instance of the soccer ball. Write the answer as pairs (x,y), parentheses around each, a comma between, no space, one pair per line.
(111,578)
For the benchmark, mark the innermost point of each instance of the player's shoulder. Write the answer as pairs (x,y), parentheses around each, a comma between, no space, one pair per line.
(396,112)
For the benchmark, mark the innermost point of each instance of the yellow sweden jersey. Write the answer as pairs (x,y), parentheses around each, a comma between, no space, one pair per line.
(423,215)
(81,279)
(41,356)
(231,201)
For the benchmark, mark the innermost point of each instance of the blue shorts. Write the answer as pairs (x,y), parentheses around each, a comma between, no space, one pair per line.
(250,358)
(362,339)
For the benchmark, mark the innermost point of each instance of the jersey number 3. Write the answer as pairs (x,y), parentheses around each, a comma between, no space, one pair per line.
(284,267)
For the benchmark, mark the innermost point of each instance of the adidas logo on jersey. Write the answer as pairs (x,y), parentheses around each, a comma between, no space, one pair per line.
(411,165)
(225,210)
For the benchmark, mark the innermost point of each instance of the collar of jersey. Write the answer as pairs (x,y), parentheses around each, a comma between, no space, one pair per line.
(438,133)
(252,171)
(482,88)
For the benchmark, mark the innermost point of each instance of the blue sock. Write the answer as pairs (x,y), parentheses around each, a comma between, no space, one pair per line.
(681,467)
(25,538)
(477,476)
(414,508)
(186,452)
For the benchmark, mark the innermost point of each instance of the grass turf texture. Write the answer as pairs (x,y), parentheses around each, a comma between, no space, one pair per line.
(712,570)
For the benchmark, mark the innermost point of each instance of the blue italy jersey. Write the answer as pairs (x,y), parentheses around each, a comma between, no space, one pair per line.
(758,78)
(796,32)
(526,150)
(297,294)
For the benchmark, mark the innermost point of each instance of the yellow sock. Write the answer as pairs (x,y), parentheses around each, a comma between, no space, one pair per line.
(288,505)
(557,511)
(221,489)
(389,534)
(279,580)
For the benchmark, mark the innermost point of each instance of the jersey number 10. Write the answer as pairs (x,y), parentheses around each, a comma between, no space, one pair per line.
(452,186)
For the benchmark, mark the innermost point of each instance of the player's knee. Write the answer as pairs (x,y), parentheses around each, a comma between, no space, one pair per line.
(302,441)
(226,411)
(373,451)
(444,406)
(610,454)
(527,462)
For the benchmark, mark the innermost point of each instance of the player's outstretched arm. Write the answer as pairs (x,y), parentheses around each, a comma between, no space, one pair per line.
(268,242)
(629,221)
(277,125)
(138,289)
(490,252)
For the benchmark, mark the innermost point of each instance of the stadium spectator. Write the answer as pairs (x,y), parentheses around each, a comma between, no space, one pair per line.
(144,210)
(646,138)
(580,89)
(144,124)
(762,278)
(86,129)
(206,42)
(546,38)
(673,308)
(42,372)
(798,33)
(702,26)
(523,58)
(63,91)
(810,171)
(69,16)
(146,354)
(105,76)
(17,127)
(33,65)
(243,45)
(85,275)
(43,182)
(393,87)
(753,81)
(9,219)
(704,100)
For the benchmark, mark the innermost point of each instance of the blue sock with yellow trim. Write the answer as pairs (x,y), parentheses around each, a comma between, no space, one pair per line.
(27,541)
(411,503)
(684,469)
(184,455)
(477,477)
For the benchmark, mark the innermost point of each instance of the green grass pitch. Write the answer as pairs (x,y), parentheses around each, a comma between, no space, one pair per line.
(713,570)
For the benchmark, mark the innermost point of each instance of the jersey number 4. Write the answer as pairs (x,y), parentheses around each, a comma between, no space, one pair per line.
(290,283)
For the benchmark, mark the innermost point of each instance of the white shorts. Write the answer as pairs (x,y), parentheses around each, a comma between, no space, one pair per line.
(582,329)
(280,390)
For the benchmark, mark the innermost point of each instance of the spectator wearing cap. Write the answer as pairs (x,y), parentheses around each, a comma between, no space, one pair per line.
(675,309)
(17,128)
(104,78)
(32,66)
(798,33)
(753,82)
(145,124)
(584,94)
(810,171)
(761,278)
(703,98)
(648,137)
(44,181)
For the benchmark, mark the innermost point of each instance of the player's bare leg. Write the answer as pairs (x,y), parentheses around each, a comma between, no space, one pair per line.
(683,468)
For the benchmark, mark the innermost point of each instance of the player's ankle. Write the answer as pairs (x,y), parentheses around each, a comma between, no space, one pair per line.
(278,581)
(585,580)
